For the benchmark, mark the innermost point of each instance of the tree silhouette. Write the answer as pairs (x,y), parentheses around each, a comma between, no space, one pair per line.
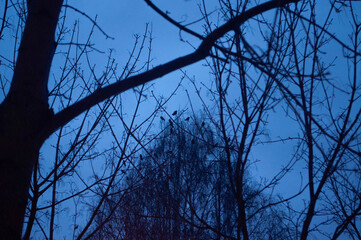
(294,91)
(26,120)
(183,192)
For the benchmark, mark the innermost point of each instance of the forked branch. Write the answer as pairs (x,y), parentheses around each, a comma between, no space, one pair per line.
(203,51)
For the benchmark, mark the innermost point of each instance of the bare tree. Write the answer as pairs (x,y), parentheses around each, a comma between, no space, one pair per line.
(26,117)
(294,67)
(327,111)
(88,170)
(296,71)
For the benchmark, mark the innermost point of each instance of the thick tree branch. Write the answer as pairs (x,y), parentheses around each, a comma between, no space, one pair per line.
(172,21)
(203,51)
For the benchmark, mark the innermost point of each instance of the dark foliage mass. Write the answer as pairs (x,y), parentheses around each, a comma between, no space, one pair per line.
(181,191)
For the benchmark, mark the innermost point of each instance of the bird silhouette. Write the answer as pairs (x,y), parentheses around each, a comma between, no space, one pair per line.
(162,118)
(187,119)
(174,113)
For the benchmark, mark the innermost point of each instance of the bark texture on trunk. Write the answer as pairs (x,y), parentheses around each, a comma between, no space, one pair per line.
(24,113)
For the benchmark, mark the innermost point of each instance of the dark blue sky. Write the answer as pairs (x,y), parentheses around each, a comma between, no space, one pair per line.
(122,19)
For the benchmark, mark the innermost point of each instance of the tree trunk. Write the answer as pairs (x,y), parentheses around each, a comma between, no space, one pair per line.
(24,113)
(21,128)
(18,155)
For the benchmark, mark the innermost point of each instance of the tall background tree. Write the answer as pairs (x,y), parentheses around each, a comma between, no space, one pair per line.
(180,189)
